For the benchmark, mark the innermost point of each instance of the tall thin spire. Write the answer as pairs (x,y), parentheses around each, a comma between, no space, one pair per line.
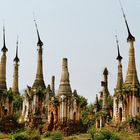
(131,71)
(15,87)
(39,43)
(130,36)
(120,75)
(16,59)
(39,81)
(3,85)
(119,57)
(4,49)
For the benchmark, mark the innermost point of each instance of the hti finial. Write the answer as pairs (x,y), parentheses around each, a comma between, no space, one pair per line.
(130,36)
(4,49)
(105,72)
(39,43)
(119,57)
(16,59)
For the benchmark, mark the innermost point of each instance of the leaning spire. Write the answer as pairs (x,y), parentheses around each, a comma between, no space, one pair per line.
(131,71)
(39,43)
(120,75)
(39,80)
(130,36)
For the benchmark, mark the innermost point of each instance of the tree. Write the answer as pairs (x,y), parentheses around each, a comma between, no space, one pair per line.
(81,100)
(17,103)
(10,100)
(87,115)
(41,95)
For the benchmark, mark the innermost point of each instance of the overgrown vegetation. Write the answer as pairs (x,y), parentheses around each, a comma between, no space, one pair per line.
(103,135)
(134,124)
(26,135)
(87,115)
(10,124)
(56,135)
(3,136)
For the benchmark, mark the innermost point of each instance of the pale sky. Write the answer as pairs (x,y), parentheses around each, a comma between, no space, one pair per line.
(81,30)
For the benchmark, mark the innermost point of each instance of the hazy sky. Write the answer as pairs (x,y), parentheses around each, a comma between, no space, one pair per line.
(81,30)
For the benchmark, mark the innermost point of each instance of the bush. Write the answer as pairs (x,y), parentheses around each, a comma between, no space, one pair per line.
(20,136)
(57,135)
(2,135)
(34,135)
(9,124)
(27,135)
(103,135)
(47,134)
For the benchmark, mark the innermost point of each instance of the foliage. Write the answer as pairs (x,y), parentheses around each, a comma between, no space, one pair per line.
(2,135)
(9,123)
(26,135)
(47,134)
(33,134)
(110,101)
(20,136)
(10,95)
(17,103)
(87,115)
(40,93)
(103,135)
(100,104)
(134,123)
(80,99)
(123,135)
(57,135)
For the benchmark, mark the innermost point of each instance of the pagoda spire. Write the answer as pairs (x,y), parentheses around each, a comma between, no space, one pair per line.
(119,57)
(105,89)
(131,71)
(39,43)
(64,87)
(3,85)
(120,75)
(39,80)
(4,49)
(16,59)
(15,87)
(130,36)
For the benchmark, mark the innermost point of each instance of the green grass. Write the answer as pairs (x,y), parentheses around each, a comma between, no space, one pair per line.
(2,136)
(123,135)
(46,139)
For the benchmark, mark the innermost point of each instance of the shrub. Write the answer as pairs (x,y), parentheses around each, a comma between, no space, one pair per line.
(10,124)
(57,135)
(27,135)
(20,136)
(35,135)
(47,134)
(2,135)
(103,135)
